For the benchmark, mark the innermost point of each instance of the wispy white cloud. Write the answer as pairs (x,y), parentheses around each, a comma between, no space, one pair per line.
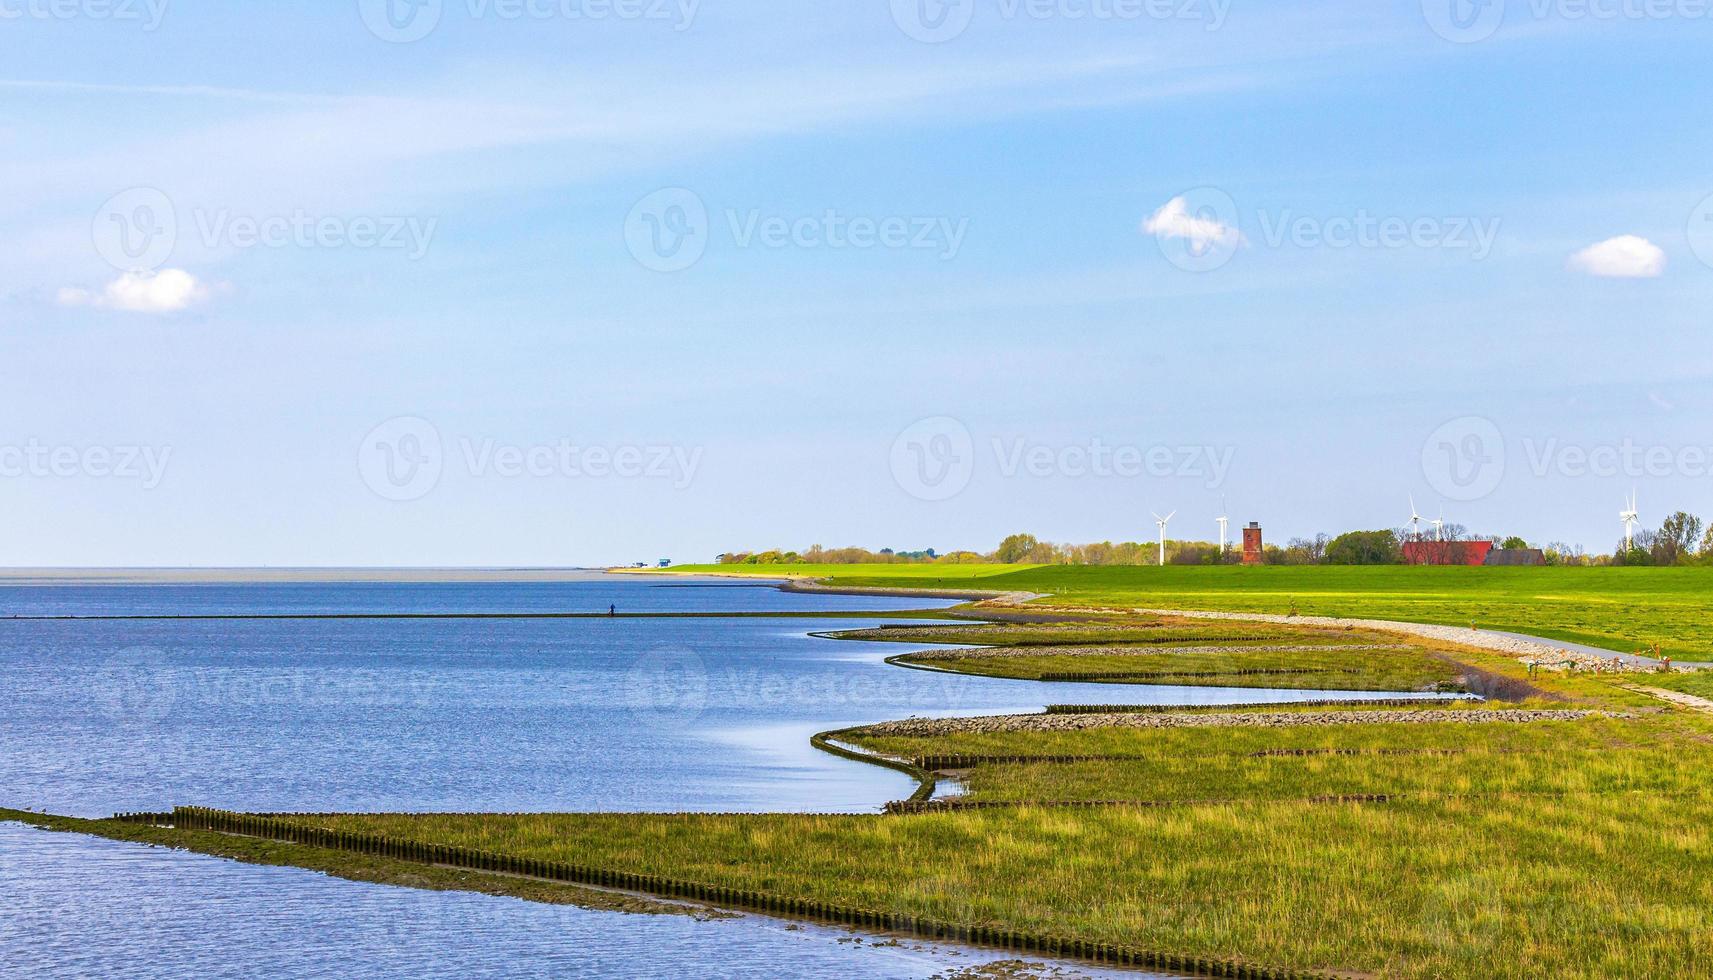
(1623,257)
(166,291)
(1174,220)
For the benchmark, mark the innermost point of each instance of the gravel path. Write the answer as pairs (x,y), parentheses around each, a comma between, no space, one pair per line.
(1689,701)
(1526,648)
(997,724)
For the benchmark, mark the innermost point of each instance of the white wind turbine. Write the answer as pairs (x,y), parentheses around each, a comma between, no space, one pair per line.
(1161,521)
(1439,526)
(1224,525)
(1415,520)
(1630,516)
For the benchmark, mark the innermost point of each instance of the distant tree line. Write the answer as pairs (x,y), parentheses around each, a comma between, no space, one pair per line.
(817,555)
(1682,540)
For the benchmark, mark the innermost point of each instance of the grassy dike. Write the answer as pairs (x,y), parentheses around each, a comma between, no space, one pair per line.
(1622,609)
(1180,653)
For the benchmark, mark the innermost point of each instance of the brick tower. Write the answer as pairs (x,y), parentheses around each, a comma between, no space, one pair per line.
(1252,543)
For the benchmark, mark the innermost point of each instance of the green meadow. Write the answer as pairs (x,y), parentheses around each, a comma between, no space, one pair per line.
(1617,608)
(1180,653)
(1334,669)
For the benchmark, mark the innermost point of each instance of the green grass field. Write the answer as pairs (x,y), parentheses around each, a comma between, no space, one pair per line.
(1331,670)
(1623,609)
(1183,652)
(1611,886)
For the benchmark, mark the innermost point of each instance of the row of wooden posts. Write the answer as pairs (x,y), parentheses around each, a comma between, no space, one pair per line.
(943,762)
(953,803)
(254,825)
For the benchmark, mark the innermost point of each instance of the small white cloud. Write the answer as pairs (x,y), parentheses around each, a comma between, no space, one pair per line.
(166,291)
(1624,257)
(1174,220)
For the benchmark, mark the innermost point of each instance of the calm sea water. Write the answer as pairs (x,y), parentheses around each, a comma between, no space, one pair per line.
(707,714)
(591,592)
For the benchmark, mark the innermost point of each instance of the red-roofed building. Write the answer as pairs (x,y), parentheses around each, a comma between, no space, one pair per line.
(1427,552)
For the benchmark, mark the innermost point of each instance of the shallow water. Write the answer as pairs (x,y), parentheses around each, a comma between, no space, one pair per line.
(623,714)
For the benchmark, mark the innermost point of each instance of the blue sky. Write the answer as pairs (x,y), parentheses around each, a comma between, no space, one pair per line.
(585,282)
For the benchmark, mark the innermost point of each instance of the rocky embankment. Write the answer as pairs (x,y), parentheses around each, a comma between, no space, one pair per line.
(1001,724)
(993,653)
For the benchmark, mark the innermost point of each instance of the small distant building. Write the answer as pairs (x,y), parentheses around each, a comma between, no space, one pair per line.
(1516,556)
(1431,552)
(1252,553)
(665,563)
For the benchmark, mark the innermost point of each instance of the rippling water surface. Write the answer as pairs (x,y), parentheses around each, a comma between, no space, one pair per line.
(433,714)
(709,714)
